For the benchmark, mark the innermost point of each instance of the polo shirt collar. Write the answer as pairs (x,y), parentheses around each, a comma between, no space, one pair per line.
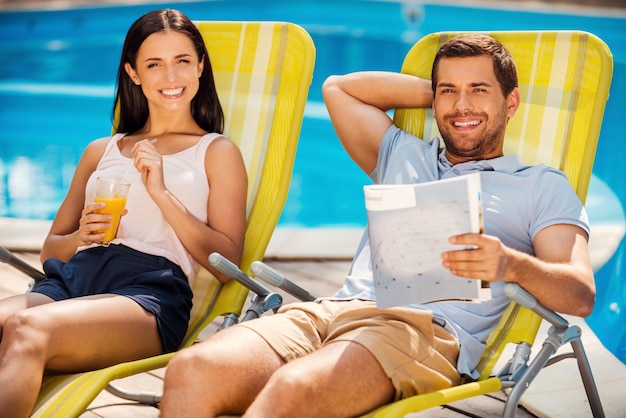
(506,164)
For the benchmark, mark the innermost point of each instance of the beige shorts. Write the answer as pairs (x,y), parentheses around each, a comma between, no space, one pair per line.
(418,355)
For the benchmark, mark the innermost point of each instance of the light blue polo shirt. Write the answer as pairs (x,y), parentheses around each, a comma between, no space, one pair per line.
(518,202)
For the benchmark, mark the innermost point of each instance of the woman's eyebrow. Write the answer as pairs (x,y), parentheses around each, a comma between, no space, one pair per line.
(184,55)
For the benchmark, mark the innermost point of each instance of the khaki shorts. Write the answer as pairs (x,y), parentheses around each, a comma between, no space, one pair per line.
(418,355)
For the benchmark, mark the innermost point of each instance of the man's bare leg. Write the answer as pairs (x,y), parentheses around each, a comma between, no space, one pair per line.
(221,375)
(341,379)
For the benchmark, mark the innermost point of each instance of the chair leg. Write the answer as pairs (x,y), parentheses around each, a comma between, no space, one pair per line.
(143,398)
(588,380)
(556,338)
(526,378)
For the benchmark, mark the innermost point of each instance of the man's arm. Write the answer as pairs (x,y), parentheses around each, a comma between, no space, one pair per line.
(565,282)
(559,276)
(357,104)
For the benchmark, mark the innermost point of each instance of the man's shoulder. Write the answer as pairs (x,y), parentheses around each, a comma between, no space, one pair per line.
(401,138)
(541,171)
(513,164)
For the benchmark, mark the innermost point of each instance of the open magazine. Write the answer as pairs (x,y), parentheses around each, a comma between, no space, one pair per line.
(409,226)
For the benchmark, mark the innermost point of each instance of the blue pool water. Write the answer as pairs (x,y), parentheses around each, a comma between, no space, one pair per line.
(56,87)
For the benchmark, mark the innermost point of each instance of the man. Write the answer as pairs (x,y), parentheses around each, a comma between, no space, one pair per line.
(342,356)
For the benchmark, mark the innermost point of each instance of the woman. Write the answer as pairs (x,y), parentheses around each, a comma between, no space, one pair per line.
(101,305)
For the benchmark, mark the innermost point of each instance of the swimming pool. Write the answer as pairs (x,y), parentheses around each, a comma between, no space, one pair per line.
(56,91)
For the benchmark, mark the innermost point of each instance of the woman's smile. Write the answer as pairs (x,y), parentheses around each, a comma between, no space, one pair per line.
(173,93)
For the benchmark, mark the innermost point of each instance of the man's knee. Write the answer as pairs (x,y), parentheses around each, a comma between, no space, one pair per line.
(189,360)
(292,381)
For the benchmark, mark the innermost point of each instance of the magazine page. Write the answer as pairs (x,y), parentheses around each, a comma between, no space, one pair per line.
(409,226)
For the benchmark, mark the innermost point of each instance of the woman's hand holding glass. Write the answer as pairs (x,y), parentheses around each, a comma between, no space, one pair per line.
(92,225)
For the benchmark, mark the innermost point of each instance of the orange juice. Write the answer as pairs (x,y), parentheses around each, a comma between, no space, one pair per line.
(114,206)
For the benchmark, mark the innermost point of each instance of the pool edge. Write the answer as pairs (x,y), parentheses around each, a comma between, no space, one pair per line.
(20,234)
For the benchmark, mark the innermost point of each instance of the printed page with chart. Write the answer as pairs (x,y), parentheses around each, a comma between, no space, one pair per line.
(409,226)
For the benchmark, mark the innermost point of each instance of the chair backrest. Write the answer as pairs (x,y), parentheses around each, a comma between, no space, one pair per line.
(263,71)
(564,80)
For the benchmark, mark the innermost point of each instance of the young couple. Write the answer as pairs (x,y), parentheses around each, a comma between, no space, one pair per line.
(338,356)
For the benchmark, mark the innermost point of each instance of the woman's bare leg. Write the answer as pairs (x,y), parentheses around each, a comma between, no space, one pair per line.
(12,304)
(68,336)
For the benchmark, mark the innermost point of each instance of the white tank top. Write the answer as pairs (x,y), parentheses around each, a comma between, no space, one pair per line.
(144,228)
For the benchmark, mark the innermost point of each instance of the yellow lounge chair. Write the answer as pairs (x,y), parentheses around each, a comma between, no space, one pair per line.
(564,80)
(263,71)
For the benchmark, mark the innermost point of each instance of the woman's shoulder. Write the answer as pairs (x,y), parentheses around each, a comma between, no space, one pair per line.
(92,154)
(102,142)
(97,147)
(221,152)
(217,143)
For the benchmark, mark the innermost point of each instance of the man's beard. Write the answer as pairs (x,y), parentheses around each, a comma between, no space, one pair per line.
(478,148)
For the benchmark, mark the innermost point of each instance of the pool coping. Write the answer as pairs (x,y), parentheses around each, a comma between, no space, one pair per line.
(297,243)
(287,242)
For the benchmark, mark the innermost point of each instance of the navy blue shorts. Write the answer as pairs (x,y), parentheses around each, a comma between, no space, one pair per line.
(155,283)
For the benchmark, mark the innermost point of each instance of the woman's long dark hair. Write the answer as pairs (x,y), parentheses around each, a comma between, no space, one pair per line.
(129,98)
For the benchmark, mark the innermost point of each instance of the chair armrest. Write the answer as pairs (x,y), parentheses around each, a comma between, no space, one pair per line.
(521,296)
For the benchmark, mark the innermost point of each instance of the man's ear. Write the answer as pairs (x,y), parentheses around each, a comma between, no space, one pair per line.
(513,102)
(132,73)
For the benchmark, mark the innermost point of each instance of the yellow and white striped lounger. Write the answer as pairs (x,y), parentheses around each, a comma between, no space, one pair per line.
(564,80)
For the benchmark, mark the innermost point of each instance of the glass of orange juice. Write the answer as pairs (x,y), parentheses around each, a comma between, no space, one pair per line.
(113,193)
